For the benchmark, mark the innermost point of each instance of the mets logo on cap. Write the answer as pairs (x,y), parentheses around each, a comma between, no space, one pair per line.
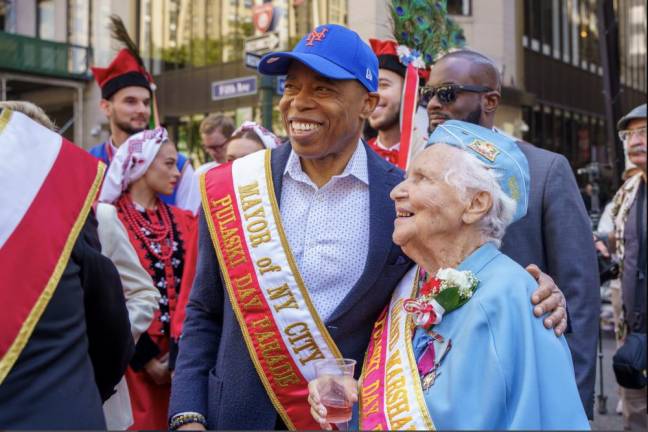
(316,36)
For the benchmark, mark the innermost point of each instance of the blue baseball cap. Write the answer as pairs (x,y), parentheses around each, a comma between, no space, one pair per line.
(497,151)
(332,51)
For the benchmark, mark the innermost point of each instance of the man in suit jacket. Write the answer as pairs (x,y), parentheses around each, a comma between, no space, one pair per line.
(555,234)
(328,184)
(65,339)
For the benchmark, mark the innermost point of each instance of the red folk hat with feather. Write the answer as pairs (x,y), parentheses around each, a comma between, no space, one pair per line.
(123,71)
(126,70)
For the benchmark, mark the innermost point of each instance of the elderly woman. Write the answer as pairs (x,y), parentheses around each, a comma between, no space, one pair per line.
(144,168)
(457,347)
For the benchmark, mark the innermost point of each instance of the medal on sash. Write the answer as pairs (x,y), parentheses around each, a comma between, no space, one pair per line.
(282,330)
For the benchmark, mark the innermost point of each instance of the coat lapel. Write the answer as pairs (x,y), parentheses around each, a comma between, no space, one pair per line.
(383,177)
(278,161)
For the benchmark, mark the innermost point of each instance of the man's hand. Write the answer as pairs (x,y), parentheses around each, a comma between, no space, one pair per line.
(548,299)
(349,387)
(158,370)
(318,410)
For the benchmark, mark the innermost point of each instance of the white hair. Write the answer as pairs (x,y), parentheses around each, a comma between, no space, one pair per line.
(468,175)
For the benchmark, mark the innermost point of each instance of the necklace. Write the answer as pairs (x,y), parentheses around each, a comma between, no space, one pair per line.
(157,238)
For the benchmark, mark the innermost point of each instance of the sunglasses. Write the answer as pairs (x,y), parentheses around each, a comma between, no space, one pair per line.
(447,94)
(625,135)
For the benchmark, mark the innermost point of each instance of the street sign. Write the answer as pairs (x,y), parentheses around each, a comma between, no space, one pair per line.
(281,84)
(252,60)
(262,44)
(233,88)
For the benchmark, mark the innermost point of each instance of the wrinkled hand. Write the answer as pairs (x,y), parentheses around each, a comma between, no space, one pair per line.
(158,370)
(192,427)
(318,410)
(548,300)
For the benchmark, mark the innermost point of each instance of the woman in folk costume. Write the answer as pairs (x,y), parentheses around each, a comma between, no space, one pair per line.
(457,347)
(144,167)
(422,31)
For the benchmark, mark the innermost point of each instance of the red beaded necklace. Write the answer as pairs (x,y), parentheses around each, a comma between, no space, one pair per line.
(148,232)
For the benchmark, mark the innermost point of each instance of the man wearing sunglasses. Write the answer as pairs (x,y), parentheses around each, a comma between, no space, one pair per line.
(555,234)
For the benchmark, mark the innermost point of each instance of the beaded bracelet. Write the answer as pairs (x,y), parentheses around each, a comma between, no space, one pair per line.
(186,418)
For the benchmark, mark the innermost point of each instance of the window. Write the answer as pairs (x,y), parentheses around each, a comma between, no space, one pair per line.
(460,7)
(536,24)
(45,19)
(546,23)
(5,10)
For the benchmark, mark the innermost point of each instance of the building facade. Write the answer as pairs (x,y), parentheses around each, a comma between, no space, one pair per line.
(46,50)
(202,42)
(549,55)
(548,52)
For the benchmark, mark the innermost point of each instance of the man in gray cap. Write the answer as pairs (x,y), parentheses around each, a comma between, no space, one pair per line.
(629,242)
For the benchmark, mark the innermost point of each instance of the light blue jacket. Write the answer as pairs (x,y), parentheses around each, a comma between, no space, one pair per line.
(504,370)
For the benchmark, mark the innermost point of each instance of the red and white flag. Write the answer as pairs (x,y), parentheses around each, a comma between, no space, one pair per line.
(47,188)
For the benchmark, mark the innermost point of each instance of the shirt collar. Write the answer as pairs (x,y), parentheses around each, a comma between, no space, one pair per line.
(357,166)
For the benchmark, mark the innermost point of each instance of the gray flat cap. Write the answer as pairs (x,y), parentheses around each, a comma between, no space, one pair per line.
(637,113)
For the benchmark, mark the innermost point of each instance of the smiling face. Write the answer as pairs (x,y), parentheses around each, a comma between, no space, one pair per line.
(323,117)
(390,89)
(428,209)
(162,175)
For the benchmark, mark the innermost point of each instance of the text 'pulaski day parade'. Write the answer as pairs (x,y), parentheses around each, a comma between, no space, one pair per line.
(323,215)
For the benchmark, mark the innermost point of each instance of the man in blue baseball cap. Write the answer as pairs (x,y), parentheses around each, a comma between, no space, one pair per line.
(322,205)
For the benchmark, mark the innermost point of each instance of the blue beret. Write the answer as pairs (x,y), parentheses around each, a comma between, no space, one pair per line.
(495,150)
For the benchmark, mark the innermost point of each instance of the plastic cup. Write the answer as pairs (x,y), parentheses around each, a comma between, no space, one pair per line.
(336,387)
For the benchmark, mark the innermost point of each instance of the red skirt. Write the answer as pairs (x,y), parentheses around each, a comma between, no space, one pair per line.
(149,400)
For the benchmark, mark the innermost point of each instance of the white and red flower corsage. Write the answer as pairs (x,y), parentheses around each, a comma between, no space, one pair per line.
(448,290)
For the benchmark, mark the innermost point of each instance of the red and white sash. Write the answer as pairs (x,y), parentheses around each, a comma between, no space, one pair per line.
(282,330)
(47,187)
(391,396)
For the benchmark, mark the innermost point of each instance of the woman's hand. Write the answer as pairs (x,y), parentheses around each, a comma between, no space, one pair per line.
(158,370)
(548,299)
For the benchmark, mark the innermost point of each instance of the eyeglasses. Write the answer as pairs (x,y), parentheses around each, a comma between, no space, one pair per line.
(448,93)
(625,135)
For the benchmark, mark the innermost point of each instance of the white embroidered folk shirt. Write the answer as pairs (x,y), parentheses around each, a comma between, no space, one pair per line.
(328,228)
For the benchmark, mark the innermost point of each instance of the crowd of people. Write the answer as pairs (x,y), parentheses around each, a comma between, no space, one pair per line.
(144,294)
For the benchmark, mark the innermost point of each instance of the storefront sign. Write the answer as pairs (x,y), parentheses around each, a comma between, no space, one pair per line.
(262,16)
